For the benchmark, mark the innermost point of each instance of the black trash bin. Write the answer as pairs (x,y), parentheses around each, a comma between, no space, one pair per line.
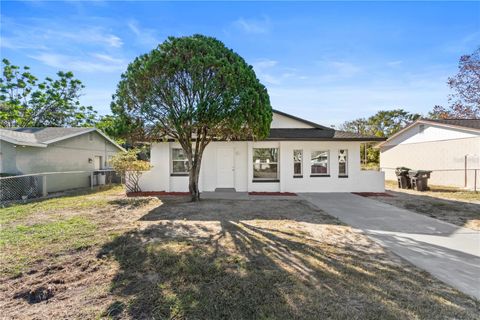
(402,177)
(419,179)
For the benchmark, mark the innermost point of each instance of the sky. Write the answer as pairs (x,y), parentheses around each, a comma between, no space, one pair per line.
(328,62)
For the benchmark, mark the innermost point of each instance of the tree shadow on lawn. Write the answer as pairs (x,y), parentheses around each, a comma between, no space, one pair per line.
(266,259)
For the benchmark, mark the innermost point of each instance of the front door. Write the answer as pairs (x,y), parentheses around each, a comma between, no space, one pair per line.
(97,163)
(225,168)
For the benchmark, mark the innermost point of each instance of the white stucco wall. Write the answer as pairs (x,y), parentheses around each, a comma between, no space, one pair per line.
(439,149)
(281,121)
(160,179)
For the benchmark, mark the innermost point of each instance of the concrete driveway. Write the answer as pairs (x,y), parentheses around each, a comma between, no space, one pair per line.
(449,252)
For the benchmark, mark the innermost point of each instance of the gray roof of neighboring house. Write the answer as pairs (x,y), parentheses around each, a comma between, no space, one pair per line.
(41,137)
(467,123)
(318,134)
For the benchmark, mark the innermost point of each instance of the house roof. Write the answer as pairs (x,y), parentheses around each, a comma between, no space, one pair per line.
(459,124)
(466,123)
(313,124)
(316,134)
(42,137)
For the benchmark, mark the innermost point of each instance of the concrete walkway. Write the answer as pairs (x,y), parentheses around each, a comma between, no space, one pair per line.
(450,253)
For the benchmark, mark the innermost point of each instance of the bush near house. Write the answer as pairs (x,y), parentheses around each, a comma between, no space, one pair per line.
(130,168)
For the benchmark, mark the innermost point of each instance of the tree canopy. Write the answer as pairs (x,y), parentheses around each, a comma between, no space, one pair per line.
(194,90)
(26,102)
(465,99)
(381,124)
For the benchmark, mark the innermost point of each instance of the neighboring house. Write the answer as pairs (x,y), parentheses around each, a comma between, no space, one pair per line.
(450,148)
(298,156)
(37,150)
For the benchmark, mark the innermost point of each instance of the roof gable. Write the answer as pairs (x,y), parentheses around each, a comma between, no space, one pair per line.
(427,130)
(282,120)
(284,126)
(42,137)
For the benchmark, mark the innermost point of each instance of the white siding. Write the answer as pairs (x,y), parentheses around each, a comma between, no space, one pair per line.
(280,121)
(430,133)
(442,150)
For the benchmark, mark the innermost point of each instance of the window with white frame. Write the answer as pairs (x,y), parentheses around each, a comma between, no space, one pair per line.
(319,163)
(179,161)
(342,163)
(297,163)
(265,164)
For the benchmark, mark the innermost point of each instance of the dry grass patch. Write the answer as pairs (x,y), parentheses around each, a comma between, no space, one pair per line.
(452,205)
(217,259)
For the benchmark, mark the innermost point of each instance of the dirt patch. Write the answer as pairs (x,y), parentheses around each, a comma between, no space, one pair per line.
(218,259)
(36,295)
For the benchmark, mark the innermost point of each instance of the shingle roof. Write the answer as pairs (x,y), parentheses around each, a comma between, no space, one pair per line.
(318,134)
(467,123)
(43,135)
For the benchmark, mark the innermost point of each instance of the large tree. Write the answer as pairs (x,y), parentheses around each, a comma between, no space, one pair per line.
(465,99)
(26,102)
(195,90)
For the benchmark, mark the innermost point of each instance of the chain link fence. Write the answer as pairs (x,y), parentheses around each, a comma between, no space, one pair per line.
(30,186)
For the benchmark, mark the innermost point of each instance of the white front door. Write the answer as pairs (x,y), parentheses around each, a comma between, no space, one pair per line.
(225,168)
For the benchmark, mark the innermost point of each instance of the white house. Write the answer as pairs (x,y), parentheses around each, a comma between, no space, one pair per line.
(298,156)
(450,148)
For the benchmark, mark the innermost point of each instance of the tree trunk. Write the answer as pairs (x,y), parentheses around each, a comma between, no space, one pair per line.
(193,182)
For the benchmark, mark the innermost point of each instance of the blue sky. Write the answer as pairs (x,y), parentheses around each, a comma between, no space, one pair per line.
(327,62)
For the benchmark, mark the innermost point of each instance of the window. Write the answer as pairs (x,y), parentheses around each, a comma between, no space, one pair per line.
(265,164)
(90,136)
(179,161)
(343,163)
(297,163)
(319,163)
(108,163)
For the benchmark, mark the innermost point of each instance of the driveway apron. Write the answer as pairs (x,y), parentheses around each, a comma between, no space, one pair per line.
(448,252)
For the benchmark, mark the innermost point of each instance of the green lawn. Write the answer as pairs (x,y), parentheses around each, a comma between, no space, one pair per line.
(101,255)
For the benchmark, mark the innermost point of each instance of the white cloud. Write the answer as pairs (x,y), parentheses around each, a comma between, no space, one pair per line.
(334,70)
(394,63)
(254,26)
(43,33)
(144,36)
(88,35)
(100,63)
(264,64)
